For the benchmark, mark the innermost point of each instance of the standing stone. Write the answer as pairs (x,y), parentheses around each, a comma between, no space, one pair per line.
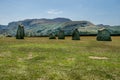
(52,36)
(75,35)
(103,35)
(20,32)
(61,34)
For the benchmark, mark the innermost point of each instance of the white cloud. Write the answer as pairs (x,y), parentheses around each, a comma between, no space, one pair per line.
(54,11)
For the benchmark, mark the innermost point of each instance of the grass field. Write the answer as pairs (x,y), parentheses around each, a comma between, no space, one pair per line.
(44,59)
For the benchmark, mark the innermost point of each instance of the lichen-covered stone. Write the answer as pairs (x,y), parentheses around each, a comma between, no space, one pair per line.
(61,34)
(20,32)
(103,35)
(75,35)
(52,36)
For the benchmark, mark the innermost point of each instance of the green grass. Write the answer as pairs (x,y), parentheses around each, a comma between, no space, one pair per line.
(44,59)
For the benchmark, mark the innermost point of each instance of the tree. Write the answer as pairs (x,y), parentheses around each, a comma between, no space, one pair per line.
(20,32)
(75,35)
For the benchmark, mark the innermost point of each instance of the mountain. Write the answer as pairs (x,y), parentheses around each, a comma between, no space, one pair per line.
(84,27)
(37,26)
(43,27)
(61,20)
(3,26)
(114,30)
(3,29)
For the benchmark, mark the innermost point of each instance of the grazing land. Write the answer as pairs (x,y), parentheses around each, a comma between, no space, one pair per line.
(39,58)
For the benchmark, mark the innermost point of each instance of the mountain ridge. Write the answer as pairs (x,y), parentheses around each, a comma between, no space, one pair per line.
(43,27)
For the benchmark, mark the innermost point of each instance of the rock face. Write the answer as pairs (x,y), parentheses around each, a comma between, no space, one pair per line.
(103,35)
(52,36)
(61,34)
(75,35)
(20,32)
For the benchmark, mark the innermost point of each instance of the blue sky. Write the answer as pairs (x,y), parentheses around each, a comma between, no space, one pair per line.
(96,11)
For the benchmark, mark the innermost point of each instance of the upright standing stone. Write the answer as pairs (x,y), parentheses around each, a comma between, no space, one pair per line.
(75,35)
(61,34)
(103,35)
(52,36)
(20,32)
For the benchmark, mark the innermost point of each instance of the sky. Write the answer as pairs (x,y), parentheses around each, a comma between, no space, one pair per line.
(96,11)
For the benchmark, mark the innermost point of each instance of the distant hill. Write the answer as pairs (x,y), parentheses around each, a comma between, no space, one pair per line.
(3,29)
(38,27)
(43,27)
(115,30)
